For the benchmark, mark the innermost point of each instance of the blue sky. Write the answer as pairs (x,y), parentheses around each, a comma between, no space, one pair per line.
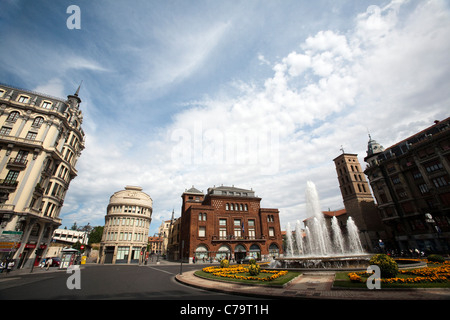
(256,94)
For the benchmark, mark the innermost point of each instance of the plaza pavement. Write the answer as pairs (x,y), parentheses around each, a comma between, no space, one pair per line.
(309,285)
(313,285)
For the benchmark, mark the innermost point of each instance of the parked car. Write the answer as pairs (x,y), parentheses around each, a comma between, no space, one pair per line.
(246,260)
(55,262)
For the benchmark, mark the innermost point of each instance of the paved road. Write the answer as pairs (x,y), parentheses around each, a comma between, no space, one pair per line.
(106,282)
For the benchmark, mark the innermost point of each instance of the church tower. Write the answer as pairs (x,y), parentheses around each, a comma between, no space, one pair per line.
(358,199)
(352,181)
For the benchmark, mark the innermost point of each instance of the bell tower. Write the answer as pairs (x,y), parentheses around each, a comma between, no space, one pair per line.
(358,199)
(352,180)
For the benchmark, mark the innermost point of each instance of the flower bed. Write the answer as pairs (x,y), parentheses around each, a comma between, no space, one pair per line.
(242,272)
(435,274)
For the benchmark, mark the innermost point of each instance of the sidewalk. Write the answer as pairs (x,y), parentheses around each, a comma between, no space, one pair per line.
(312,285)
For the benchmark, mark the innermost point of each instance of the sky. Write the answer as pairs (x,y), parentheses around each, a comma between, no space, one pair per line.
(254,94)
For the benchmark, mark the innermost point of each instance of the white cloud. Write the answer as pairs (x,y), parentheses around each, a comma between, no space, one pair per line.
(388,72)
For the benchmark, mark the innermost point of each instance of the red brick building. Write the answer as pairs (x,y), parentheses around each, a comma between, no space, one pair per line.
(228,222)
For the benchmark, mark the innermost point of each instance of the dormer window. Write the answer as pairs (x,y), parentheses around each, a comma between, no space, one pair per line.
(46,104)
(23,99)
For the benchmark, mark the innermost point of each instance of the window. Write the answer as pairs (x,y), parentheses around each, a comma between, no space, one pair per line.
(13,116)
(31,135)
(23,99)
(237,228)
(222,233)
(202,217)
(11,177)
(38,121)
(122,252)
(227,206)
(431,167)
(46,104)
(396,180)
(271,232)
(202,231)
(222,222)
(423,188)
(251,229)
(440,182)
(417,175)
(21,157)
(5,131)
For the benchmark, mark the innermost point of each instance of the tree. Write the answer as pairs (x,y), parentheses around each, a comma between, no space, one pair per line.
(96,235)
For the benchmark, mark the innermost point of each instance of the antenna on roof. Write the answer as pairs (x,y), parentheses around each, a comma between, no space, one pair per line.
(78,90)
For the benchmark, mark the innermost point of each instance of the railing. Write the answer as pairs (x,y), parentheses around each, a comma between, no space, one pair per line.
(17,162)
(7,207)
(21,140)
(8,183)
(232,238)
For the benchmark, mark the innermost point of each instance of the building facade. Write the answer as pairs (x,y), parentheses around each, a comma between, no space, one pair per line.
(127,223)
(358,201)
(41,140)
(64,238)
(411,183)
(227,222)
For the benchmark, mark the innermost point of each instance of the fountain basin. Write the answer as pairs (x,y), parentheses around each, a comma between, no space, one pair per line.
(339,262)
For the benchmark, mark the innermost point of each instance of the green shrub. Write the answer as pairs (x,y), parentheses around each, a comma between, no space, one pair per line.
(224,263)
(435,258)
(254,269)
(252,261)
(387,265)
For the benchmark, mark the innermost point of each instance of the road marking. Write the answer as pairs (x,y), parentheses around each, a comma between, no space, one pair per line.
(161,270)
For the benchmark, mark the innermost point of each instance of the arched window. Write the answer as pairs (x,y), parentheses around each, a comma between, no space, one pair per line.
(13,116)
(227,206)
(38,121)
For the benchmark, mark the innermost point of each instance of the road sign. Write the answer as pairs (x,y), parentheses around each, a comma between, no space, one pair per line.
(12,232)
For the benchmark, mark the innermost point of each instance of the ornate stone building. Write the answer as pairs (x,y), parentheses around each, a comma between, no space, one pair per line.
(127,222)
(411,183)
(227,222)
(41,140)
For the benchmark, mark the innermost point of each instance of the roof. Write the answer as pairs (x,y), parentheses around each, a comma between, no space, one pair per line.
(231,191)
(422,137)
(193,191)
(334,213)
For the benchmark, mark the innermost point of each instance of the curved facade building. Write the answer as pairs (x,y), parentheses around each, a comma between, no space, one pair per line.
(41,139)
(127,223)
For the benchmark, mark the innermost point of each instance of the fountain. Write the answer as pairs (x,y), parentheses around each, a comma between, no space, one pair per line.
(322,248)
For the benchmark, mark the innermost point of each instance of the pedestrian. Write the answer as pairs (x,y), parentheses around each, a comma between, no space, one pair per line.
(48,263)
(10,266)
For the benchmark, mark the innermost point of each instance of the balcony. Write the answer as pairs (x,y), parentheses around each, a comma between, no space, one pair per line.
(8,185)
(20,141)
(17,163)
(231,238)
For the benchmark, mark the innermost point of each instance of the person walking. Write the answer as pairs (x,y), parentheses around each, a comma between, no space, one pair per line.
(48,263)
